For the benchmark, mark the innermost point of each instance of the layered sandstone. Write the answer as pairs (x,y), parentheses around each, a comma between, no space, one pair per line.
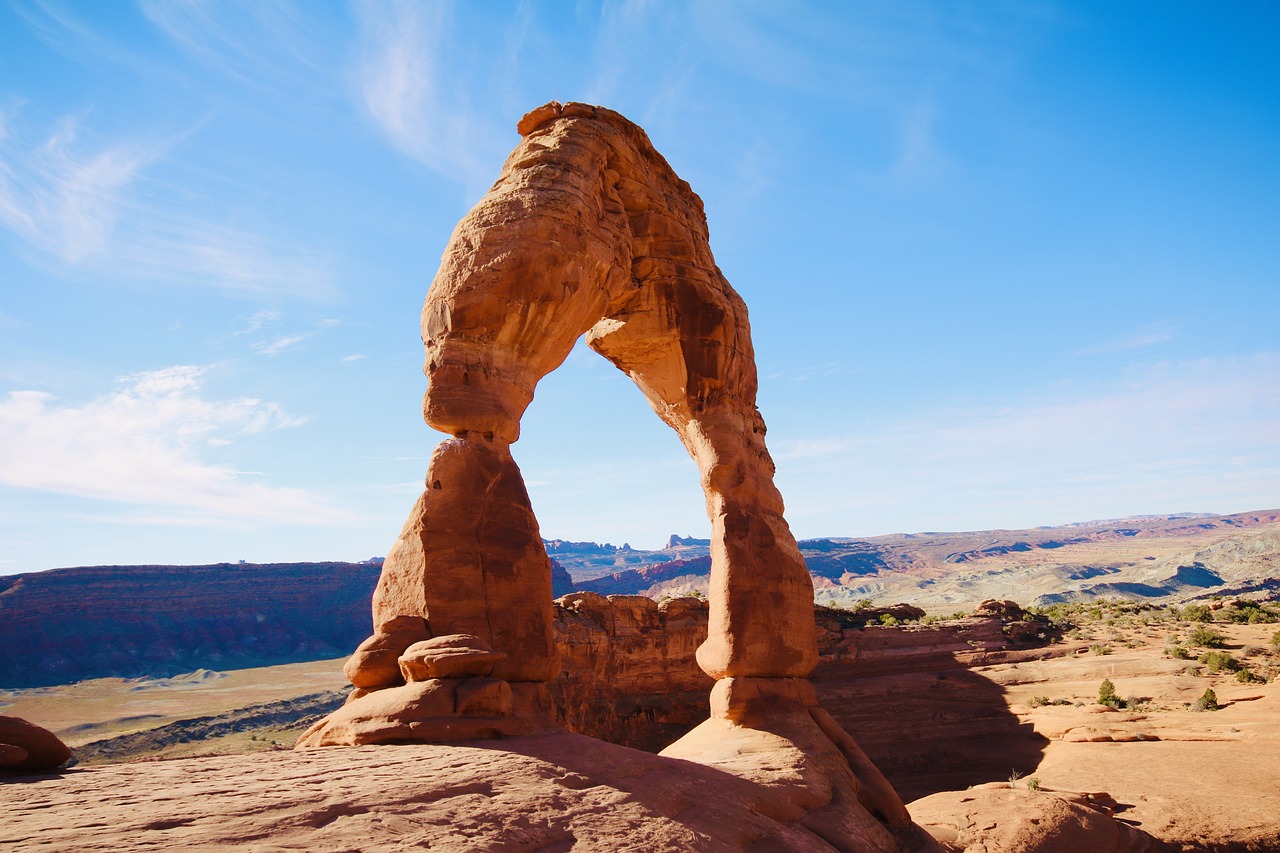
(588,232)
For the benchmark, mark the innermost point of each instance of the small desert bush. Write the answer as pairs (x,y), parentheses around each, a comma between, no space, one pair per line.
(1244,676)
(1208,701)
(1179,653)
(1275,640)
(1270,613)
(1100,649)
(1107,694)
(889,620)
(1219,662)
(1196,613)
(1033,783)
(1205,638)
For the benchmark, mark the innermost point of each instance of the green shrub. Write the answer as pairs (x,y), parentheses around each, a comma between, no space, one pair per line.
(1196,613)
(1037,701)
(1219,661)
(888,619)
(1275,640)
(1033,783)
(1205,638)
(1208,701)
(1179,653)
(1244,676)
(1100,649)
(1107,694)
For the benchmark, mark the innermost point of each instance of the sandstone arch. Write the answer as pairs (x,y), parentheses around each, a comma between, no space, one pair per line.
(588,231)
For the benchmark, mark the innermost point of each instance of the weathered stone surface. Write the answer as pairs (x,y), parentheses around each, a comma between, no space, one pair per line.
(436,711)
(470,560)
(628,668)
(807,773)
(588,231)
(997,819)
(450,656)
(546,793)
(376,661)
(11,756)
(31,748)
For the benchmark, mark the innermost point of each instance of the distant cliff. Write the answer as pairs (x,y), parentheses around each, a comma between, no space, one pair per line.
(70,624)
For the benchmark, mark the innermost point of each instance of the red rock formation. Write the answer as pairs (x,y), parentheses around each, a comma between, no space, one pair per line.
(629,673)
(65,625)
(588,231)
(28,748)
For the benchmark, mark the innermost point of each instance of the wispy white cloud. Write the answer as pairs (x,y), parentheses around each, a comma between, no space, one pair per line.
(263,44)
(1197,434)
(258,321)
(354,357)
(1148,336)
(62,199)
(281,343)
(91,207)
(400,83)
(146,443)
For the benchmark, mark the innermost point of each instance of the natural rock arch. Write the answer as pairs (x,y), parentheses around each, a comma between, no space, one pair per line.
(588,231)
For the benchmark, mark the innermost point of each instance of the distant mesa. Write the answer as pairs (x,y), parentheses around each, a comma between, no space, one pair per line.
(685,541)
(64,625)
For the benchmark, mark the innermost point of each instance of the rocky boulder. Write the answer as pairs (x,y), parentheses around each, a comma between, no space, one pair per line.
(28,748)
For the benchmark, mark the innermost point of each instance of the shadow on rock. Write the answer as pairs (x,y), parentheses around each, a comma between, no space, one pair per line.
(922,715)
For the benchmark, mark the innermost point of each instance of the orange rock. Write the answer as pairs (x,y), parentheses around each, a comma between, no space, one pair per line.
(589,231)
(470,560)
(997,819)
(30,748)
(376,662)
(450,656)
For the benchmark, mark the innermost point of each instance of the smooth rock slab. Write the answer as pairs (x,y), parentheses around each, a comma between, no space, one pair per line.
(558,792)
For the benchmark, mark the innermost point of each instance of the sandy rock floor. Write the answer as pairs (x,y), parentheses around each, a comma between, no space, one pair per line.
(548,794)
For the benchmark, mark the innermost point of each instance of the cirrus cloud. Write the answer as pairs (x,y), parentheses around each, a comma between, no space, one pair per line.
(145,443)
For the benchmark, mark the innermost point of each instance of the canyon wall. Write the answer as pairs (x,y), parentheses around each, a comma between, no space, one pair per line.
(71,624)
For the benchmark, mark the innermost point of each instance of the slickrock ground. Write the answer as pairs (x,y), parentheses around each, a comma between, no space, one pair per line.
(551,793)
(1207,779)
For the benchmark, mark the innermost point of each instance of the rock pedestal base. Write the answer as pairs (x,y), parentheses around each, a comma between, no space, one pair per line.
(446,693)
(772,732)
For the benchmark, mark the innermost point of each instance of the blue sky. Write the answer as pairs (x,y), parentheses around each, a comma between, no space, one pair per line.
(1007,264)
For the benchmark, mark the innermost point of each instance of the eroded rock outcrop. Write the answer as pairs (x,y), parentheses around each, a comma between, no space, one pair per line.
(589,232)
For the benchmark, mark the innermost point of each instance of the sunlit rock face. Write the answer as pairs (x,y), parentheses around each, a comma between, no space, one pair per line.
(589,232)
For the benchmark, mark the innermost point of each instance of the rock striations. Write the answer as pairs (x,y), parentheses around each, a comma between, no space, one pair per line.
(589,232)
